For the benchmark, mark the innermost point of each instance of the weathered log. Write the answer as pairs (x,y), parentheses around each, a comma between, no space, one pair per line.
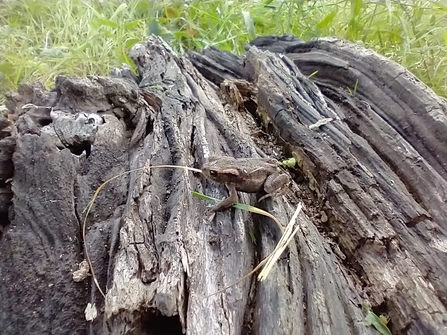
(373,180)
(379,168)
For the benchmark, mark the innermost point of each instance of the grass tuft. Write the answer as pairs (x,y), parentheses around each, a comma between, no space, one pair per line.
(41,39)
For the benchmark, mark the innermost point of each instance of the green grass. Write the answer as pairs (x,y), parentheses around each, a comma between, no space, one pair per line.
(41,39)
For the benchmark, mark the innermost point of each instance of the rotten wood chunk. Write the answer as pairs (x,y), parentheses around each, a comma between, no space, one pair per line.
(370,142)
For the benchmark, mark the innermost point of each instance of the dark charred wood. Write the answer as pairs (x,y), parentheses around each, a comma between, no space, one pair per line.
(373,180)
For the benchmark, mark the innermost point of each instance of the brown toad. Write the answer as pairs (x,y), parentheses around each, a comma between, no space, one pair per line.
(249,175)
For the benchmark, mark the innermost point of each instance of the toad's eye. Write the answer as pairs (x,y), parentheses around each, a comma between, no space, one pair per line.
(213,173)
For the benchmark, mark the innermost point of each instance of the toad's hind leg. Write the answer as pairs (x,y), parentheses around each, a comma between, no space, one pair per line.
(275,185)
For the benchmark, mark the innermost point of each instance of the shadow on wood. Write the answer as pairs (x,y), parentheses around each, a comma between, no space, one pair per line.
(372,177)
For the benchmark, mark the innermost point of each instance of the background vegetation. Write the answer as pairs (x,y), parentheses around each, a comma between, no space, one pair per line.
(41,39)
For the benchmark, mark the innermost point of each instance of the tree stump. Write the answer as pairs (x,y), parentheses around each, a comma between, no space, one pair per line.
(370,141)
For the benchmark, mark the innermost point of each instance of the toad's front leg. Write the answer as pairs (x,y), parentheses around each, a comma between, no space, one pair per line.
(228,201)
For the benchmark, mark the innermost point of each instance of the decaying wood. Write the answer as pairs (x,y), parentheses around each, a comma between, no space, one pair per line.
(372,177)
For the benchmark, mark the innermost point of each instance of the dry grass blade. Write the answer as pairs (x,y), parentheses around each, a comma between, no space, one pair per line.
(274,255)
(282,244)
(260,212)
(90,205)
(260,265)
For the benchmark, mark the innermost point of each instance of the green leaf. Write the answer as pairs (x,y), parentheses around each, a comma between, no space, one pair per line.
(105,22)
(372,319)
(244,207)
(327,20)
(236,205)
(154,28)
(291,162)
(356,7)
(131,25)
(130,42)
(203,196)
(171,13)
(109,34)
(252,237)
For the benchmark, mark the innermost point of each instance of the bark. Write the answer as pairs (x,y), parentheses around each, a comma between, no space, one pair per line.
(373,181)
